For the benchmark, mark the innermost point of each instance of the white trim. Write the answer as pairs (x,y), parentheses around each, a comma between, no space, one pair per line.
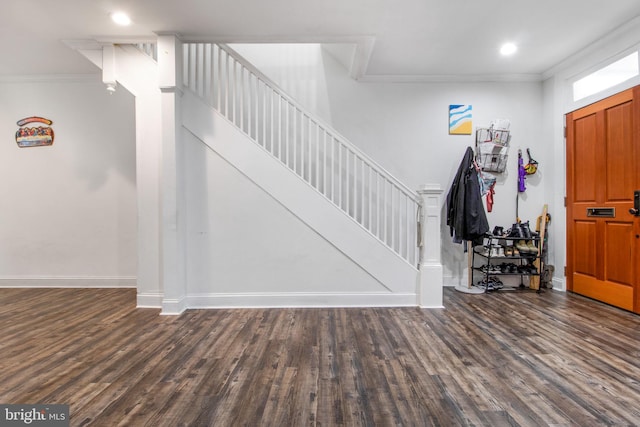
(52,78)
(623,36)
(559,284)
(68,282)
(301,300)
(149,300)
(445,78)
(173,306)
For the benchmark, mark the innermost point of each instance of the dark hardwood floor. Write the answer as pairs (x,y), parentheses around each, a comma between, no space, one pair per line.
(501,359)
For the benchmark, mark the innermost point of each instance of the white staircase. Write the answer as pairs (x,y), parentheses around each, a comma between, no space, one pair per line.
(341,173)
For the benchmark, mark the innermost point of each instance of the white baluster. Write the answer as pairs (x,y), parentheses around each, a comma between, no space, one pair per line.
(208,67)
(317,162)
(288,134)
(298,142)
(280,123)
(220,81)
(369,206)
(200,70)
(348,181)
(239,95)
(263,117)
(363,193)
(192,68)
(271,123)
(325,181)
(256,125)
(185,66)
(340,175)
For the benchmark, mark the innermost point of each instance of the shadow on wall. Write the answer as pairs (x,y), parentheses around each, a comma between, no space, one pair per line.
(103,136)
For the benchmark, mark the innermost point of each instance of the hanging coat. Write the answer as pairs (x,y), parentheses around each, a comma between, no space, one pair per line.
(466,217)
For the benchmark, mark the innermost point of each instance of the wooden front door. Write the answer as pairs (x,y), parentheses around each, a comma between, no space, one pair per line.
(603,172)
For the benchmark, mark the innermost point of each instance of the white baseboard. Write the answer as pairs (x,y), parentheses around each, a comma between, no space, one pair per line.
(67,282)
(559,284)
(310,300)
(173,307)
(150,300)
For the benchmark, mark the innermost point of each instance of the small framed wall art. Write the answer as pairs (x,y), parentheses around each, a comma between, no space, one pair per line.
(460,119)
(34,136)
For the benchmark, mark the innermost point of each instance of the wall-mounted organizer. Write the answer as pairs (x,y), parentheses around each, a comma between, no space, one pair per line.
(492,146)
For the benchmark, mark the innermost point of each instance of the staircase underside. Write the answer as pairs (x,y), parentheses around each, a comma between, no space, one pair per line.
(396,278)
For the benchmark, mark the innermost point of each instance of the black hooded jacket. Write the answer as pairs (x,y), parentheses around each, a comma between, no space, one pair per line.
(466,217)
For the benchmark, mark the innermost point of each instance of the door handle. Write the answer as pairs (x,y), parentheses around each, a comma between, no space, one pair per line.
(635,210)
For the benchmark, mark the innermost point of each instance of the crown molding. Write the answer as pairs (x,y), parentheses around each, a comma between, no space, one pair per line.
(623,38)
(450,78)
(51,78)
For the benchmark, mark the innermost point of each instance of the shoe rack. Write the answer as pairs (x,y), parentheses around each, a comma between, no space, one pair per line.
(516,253)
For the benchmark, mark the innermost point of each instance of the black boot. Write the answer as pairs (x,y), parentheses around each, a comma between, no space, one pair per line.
(516,231)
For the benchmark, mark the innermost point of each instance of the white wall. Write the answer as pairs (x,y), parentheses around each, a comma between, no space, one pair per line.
(404,127)
(68,211)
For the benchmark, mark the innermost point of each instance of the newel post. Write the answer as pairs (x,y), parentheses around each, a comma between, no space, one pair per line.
(430,275)
(173,240)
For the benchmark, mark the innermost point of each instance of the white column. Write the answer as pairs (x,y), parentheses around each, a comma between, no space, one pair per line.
(430,276)
(173,274)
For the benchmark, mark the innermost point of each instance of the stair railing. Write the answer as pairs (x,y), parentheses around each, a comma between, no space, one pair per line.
(319,155)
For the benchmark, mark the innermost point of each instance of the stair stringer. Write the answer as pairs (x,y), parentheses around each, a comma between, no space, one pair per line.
(307,204)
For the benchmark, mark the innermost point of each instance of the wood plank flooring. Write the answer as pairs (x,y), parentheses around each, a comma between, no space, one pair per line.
(501,359)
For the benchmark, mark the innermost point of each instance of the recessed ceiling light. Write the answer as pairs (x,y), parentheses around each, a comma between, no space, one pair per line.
(508,49)
(121,18)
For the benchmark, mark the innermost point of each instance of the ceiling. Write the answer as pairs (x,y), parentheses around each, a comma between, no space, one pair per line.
(408,38)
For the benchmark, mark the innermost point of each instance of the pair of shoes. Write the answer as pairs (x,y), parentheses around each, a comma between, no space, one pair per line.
(526,230)
(527,269)
(493,284)
(508,267)
(515,231)
(487,269)
(490,269)
(522,246)
(526,247)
